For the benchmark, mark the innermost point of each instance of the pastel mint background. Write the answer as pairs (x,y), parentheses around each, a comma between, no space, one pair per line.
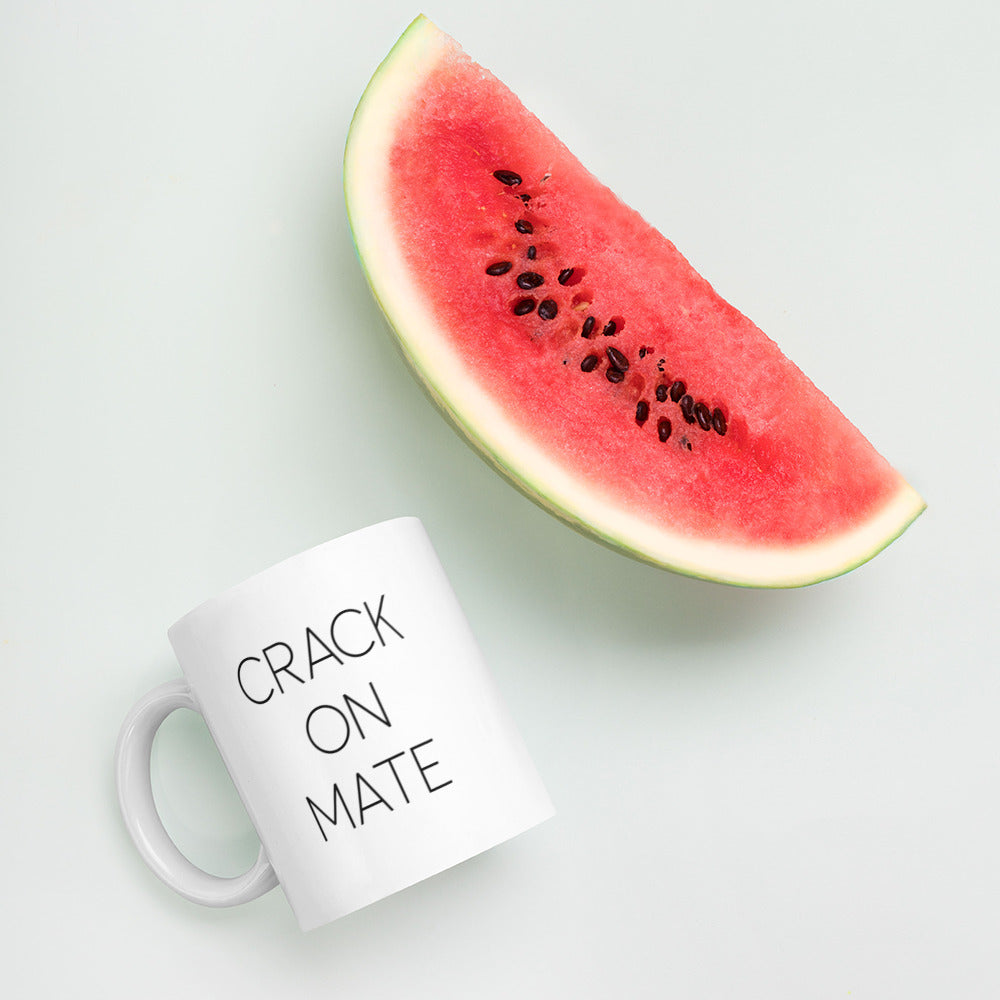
(774,795)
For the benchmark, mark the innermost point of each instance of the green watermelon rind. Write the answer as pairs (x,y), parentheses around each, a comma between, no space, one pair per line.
(480,422)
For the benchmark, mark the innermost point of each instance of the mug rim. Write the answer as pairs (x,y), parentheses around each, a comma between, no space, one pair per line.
(232,591)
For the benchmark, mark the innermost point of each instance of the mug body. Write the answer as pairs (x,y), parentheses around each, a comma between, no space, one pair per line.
(357,718)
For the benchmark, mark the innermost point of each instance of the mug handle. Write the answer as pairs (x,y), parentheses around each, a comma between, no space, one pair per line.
(135,796)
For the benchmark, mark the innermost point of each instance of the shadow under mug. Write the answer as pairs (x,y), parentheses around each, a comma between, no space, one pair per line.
(358,721)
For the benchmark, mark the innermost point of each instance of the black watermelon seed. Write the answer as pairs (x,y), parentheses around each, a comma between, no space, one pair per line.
(524,306)
(617,359)
(661,393)
(507,177)
(500,267)
(525,198)
(547,308)
(642,352)
(609,330)
(663,428)
(588,327)
(677,389)
(719,421)
(531,253)
(687,408)
(523,226)
(615,375)
(529,279)
(589,363)
(703,415)
(685,443)
(641,412)
(565,274)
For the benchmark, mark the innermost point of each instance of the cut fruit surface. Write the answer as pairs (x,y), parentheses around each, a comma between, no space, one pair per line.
(582,355)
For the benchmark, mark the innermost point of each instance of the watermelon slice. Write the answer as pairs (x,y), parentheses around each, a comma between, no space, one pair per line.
(582,355)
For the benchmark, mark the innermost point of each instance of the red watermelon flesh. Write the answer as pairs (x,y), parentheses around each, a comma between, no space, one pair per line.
(631,399)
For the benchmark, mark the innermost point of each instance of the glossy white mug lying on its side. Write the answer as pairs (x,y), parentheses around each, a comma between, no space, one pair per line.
(355,714)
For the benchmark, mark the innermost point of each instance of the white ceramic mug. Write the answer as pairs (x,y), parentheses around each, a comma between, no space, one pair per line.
(354,712)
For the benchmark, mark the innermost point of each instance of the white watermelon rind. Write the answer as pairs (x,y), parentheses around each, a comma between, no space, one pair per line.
(449,383)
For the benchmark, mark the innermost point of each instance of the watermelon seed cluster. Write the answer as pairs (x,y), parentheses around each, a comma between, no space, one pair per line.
(693,412)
